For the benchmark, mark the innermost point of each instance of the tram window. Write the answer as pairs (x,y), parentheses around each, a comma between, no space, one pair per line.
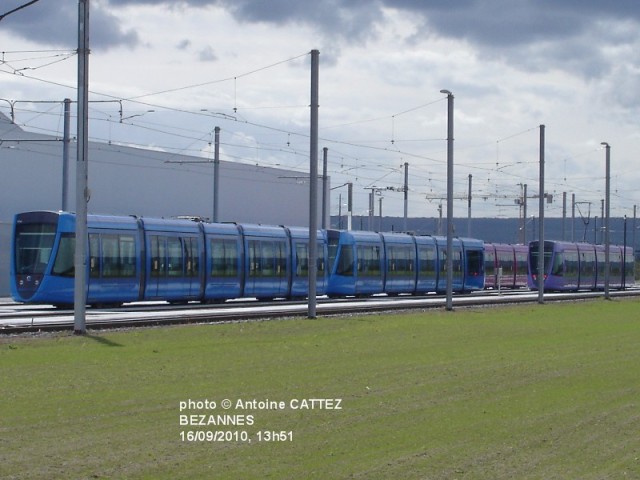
(558,264)
(427,260)
(345,261)
(224,258)
(254,258)
(280,253)
(457,261)
(489,264)
(217,249)
(158,256)
(94,255)
(374,261)
(400,261)
(505,260)
(333,248)
(587,263)
(369,260)
(192,255)
(615,265)
(34,243)
(127,256)
(174,257)
(110,256)
(64,264)
(474,262)
(232,257)
(320,261)
(629,265)
(521,263)
(268,252)
(571,259)
(118,256)
(548,254)
(302,259)
(267,258)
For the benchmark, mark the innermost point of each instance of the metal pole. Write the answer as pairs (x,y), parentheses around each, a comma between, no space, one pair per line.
(633,235)
(607,195)
(313,190)
(624,256)
(573,217)
(469,208)
(524,215)
(541,222)
(406,194)
(65,155)
(602,215)
(325,188)
(216,176)
(564,214)
(80,260)
(380,214)
(449,262)
(370,228)
(521,219)
(349,205)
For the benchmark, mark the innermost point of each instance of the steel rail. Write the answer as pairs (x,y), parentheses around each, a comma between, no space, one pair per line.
(103,319)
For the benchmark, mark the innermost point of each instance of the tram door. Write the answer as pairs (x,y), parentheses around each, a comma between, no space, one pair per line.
(174,269)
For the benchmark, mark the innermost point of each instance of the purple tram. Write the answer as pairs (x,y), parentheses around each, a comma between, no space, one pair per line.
(572,266)
(512,259)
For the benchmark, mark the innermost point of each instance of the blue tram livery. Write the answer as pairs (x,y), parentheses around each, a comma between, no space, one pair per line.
(365,263)
(180,260)
(572,266)
(177,260)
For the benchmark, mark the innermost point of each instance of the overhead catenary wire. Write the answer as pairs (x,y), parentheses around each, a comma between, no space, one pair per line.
(371,148)
(17,9)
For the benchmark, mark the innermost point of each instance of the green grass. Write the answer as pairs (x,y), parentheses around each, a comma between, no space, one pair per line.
(535,392)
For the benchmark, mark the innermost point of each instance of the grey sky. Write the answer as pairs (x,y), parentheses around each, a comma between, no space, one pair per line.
(531,34)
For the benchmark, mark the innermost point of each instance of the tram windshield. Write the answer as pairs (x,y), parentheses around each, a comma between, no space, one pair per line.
(534,260)
(33,246)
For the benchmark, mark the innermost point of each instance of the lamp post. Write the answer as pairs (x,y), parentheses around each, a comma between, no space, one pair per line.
(80,257)
(313,181)
(607,195)
(449,262)
(541,220)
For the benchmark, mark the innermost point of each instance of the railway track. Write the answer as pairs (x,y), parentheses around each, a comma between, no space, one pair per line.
(17,319)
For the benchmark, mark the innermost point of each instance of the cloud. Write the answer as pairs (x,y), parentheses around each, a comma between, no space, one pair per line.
(207,54)
(532,34)
(56,24)
(184,44)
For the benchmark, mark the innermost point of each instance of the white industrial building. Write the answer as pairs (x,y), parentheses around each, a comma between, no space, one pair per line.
(134,181)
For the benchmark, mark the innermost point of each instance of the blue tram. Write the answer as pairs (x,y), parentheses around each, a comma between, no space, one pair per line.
(180,260)
(176,260)
(366,263)
(572,266)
